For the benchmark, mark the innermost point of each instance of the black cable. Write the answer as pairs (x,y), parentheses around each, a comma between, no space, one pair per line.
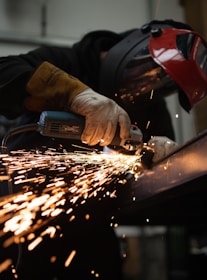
(17,130)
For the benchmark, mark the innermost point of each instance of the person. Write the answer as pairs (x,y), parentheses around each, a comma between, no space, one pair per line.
(75,79)
(37,81)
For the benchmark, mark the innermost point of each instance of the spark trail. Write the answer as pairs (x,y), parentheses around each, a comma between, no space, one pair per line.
(46,184)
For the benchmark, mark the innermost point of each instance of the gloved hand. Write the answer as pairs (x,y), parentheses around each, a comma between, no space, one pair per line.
(102,117)
(162,147)
(50,88)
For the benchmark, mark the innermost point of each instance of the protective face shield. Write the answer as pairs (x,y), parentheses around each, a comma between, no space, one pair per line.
(154,60)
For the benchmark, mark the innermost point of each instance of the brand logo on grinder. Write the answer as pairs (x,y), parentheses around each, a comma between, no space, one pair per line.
(70,128)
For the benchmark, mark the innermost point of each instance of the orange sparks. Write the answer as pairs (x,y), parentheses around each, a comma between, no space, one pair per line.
(48,184)
(70,258)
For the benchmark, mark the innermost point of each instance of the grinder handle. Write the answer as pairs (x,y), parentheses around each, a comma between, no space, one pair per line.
(69,125)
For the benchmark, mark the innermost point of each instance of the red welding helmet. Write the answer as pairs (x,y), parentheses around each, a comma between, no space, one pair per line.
(157,58)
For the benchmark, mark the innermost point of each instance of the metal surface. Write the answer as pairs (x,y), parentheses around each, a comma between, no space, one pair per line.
(174,187)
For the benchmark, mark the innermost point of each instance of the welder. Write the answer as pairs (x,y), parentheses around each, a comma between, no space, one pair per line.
(108,78)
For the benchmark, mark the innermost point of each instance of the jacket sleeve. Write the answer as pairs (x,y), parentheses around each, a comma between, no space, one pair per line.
(15,72)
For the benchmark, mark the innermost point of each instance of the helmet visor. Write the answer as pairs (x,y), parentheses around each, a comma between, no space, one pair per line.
(183,56)
(142,76)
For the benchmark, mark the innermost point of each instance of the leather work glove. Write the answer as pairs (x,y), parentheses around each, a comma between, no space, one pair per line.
(102,117)
(162,146)
(50,88)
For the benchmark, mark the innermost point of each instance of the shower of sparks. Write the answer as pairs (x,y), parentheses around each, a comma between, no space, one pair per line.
(70,257)
(47,184)
(152,93)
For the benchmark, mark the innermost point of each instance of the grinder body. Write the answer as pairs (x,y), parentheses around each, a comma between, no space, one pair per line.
(70,126)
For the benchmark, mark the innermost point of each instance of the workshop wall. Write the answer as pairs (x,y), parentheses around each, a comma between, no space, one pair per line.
(25,24)
(70,19)
(73,18)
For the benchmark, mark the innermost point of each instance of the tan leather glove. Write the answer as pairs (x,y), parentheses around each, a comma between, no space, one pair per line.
(50,88)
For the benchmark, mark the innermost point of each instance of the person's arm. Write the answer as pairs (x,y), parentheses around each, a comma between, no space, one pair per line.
(40,86)
(51,88)
(15,71)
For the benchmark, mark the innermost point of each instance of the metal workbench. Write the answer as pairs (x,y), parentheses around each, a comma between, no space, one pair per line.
(172,191)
